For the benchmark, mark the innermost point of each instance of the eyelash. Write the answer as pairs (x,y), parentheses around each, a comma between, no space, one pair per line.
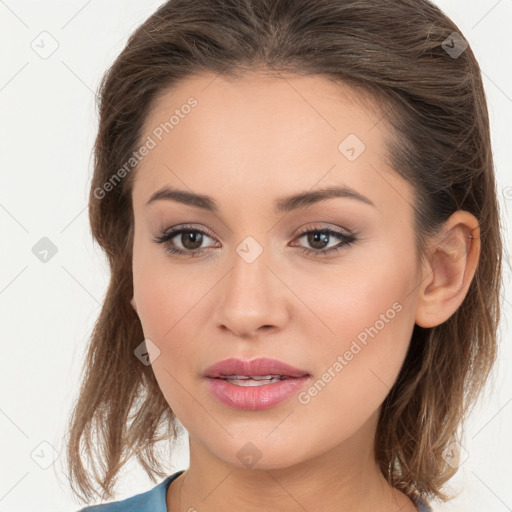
(166,236)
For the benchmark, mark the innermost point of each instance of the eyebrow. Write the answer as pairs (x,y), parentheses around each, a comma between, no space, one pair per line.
(285,204)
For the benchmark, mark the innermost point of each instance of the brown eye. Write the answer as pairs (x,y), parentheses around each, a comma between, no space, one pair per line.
(318,240)
(191,240)
(183,240)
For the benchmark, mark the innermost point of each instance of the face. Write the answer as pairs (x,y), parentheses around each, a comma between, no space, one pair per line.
(326,286)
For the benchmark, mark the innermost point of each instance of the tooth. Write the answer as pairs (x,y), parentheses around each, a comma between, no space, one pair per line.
(254,377)
(252,382)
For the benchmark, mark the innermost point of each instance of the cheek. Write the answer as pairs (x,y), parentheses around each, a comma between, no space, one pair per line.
(165,304)
(371,319)
(358,300)
(165,293)
(169,305)
(358,371)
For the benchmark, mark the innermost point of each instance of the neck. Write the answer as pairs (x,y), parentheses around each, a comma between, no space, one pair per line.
(344,479)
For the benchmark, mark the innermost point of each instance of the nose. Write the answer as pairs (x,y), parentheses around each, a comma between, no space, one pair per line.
(252,300)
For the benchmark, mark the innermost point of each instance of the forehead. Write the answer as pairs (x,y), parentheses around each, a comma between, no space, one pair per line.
(259,133)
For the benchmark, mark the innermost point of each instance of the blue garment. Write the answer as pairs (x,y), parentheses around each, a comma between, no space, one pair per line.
(422,506)
(149,501)
(154,500)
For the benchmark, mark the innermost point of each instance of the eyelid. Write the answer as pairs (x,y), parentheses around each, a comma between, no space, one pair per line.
(317,227)
(191,227)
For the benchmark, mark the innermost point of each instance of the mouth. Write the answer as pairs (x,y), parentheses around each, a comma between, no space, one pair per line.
(254,384)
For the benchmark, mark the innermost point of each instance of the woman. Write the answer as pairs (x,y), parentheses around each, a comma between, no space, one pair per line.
(297,200)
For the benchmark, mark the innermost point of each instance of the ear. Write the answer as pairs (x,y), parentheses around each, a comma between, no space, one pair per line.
(134,305)
(448,269)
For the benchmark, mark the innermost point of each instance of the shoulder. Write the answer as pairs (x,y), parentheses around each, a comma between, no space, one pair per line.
(149,501)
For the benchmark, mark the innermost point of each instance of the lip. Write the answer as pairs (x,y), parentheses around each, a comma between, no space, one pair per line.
(254,398)
(253,367)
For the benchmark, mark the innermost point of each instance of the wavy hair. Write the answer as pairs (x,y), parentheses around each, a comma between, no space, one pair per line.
(434,107)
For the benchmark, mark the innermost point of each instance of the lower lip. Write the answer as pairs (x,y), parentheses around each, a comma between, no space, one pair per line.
(253,398)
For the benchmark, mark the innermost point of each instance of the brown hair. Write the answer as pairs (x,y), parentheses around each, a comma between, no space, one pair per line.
(439,141)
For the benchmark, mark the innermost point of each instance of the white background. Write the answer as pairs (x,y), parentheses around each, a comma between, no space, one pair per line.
(47,131)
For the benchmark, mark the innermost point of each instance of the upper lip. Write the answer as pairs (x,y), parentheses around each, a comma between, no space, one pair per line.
(253,367)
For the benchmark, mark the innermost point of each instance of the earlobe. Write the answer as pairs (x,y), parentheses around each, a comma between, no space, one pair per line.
(449,270)
(134,305)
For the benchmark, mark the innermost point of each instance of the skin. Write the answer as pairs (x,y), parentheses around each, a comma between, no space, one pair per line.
(247,143)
